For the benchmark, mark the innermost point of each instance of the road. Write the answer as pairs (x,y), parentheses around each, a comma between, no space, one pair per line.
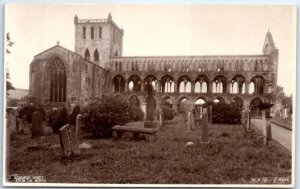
(280,134)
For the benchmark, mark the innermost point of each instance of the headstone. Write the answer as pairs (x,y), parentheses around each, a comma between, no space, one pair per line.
(76,140)
(66,136)
(158,118)
(189,124)
(267,132)
(150,109)
(204,133)
(210,114)
(37,124)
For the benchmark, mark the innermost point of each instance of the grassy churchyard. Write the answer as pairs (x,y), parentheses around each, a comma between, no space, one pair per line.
(232,157)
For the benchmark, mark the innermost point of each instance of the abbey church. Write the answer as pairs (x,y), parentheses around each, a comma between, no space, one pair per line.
(61,77)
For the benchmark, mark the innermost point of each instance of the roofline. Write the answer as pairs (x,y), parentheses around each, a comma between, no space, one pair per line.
(192,56)
(35,57)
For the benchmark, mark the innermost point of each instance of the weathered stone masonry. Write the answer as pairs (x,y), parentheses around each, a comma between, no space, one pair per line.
(97,66)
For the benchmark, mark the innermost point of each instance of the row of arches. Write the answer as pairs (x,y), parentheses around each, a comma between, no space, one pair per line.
(184,84)
(88,57)
(186,65)
(92,32)
(185,101)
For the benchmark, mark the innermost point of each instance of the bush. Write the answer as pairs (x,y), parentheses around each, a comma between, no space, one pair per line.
(226,113)
(60,120)
(102,114)
(137,114)
(29,110)
(73,116)
(167,113)
(51,116)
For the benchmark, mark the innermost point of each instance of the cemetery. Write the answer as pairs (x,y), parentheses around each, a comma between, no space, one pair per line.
(106,143)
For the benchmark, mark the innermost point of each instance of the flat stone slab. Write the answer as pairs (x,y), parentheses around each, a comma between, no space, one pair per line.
(134,132)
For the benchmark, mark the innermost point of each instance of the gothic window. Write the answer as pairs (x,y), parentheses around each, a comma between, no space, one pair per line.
(92,33)
(100,32)
(116,53)
(84,32)
(96,55)
(58,80)
(87,54)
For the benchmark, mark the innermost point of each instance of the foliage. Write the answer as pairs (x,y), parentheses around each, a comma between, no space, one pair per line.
(167,113)
(102,114)
(73,116)
(10,43)
(27,111)
(12,102)
(60,120)
(137,114)
(226,113)
(51,116)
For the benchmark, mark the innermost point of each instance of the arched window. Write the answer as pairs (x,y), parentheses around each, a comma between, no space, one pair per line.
(84,32)
(100,32)
(58,80)
(92,33)
(87,54)
(96,55)
(116,53)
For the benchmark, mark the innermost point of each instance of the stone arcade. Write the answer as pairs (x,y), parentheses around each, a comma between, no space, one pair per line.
(61,77)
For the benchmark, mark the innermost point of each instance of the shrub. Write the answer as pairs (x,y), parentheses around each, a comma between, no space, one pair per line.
(226,113)
(73,116)
(137,114)
(29,110)
(102,114)
(167,113)
(51,116)
(60,120)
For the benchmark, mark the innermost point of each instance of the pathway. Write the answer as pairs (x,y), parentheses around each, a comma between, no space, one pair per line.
(282,135)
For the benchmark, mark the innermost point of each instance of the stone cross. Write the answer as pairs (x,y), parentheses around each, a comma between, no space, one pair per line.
(37,125)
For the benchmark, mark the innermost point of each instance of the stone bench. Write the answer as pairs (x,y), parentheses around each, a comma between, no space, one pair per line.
(127,132)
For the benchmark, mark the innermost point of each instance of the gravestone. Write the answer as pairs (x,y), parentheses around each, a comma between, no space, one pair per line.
(204,127)
(150,108)
(188,124)
(37,125)
(210,114)
(67,142)
(248,120)
(76,140)
(266,122)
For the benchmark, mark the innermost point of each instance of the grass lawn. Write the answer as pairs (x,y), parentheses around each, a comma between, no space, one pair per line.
(232,157)
(283,122)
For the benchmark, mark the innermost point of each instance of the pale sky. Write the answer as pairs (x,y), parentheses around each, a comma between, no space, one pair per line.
(155,30)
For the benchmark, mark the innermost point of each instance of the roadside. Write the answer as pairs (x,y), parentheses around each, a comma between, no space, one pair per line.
(280,134)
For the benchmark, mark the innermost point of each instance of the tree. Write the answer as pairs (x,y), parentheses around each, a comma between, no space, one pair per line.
(9,43)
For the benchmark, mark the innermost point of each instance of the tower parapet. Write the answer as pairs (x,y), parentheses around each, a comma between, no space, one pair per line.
(97,40)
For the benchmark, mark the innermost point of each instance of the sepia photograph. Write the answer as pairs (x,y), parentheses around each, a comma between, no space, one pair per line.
(149,95)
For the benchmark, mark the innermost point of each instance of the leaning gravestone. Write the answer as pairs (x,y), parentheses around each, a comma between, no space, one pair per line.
(67,143)
(37,125)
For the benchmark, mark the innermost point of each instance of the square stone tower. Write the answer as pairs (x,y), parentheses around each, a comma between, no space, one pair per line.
(98,40)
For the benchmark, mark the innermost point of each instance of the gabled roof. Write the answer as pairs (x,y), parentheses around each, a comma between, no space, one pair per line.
(57,46)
